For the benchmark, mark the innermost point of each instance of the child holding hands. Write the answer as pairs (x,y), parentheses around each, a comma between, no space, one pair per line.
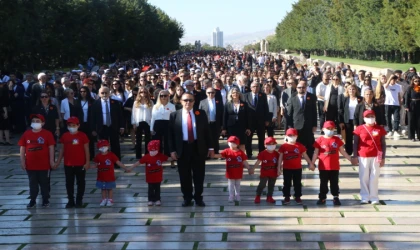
(104,162)
(154,171)
(290,163)
(326,150)
(236,159)
(268,159)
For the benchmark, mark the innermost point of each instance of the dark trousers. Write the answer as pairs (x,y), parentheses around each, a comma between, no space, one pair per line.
(39,179)
(414,123)
(79,173)
(306,137)
(263,183)
(215,134)
(270,127)
(153,191)
(349,128)
(84,127)
(332,177)
(142,129)
(161,133)
(321,114)
(391,110)
(191,167)
(296,176)
(113,136)
(260,129)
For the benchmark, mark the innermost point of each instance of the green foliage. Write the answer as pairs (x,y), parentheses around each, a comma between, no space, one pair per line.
(39,34)
(362,29)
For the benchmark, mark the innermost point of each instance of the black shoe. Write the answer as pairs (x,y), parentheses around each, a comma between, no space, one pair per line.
(46,203)
(133,148)
(337,201)
(200,203)
(187,203)
(79,204)
(320,202)
(7,144)
(249,157)
(70,204)
(31,204)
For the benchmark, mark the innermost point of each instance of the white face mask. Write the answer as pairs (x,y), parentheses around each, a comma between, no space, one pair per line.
(153,153)
(36,125)
(291,138)
(72,129)
(369,120)
(103,149)
(328,132)
(232,145)
(271,147)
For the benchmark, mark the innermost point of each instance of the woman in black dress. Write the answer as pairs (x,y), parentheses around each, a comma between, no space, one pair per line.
(50,113)
(236,118)
(4,115)
(17,103)
(83,104)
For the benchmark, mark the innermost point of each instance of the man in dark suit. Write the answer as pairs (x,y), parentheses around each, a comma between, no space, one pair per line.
(259,117)
(107,120)
(214,111)
(36,88)
(302,110)
(190,143)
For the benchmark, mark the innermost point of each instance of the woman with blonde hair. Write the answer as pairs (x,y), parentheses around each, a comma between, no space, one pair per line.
(141,117)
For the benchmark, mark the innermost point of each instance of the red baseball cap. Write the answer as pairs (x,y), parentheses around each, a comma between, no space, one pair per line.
(269,140)
(291,131)
(368,112)
(329,124)
(102,143)
(39,116)
(74,120)
(234,139)
(153,145)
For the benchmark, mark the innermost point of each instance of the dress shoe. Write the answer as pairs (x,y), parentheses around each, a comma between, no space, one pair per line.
(186,203)
(200,203)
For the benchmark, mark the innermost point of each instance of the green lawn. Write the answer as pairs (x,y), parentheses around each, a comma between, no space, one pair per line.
(376,64)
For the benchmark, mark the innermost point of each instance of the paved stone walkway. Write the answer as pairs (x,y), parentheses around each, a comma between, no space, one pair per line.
(130,224)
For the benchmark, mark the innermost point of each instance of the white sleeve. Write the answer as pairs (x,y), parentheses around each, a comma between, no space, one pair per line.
(134,115)
(152,121)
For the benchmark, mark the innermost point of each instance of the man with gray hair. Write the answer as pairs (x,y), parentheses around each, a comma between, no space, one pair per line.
(38,87)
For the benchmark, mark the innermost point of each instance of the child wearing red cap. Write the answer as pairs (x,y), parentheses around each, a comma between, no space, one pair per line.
(268,159)
(104,162)
(369,150)
(37,157)
(290,164)
(236,159)
(154,171)
(327,148)
(75,151)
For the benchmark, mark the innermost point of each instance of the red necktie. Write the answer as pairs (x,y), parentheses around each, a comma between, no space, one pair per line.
(190,128)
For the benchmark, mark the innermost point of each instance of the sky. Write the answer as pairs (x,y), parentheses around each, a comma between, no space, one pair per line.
(200,18)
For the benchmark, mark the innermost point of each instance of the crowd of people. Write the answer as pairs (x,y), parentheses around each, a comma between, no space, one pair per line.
(189,102)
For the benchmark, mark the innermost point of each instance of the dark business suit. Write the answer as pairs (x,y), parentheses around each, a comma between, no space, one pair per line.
(191,156)
(258,116)
(50,114)
(344,117)
(360,108)
(35,90)
(215,125)
(236,123)
(112,132)
(303,119)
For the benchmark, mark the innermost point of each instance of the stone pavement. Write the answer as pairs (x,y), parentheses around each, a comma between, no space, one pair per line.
(131,224)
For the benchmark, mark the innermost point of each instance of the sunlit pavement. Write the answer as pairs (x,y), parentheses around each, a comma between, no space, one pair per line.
(131,224)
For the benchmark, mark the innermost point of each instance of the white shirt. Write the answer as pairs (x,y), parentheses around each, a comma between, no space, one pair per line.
(224,94)
(104,111)
(300,98)
(143,113)
(212,107)
(185,124)
(85,107)
(161,113)
(117,97)
(65,108)
(320,90)
(352,108)
(272,105)
(391,94)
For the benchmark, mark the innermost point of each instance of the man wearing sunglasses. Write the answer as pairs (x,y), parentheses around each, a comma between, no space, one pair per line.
(190,143)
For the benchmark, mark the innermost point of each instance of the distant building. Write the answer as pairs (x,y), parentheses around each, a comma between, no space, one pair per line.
(217,38)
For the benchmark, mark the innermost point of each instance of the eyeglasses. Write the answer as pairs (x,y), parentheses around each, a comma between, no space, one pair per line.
(44,96)
(301,87)
(141,92)
(104,93)
(163,95)
(82,91)
(211,93)
(188,100)
(115,84)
